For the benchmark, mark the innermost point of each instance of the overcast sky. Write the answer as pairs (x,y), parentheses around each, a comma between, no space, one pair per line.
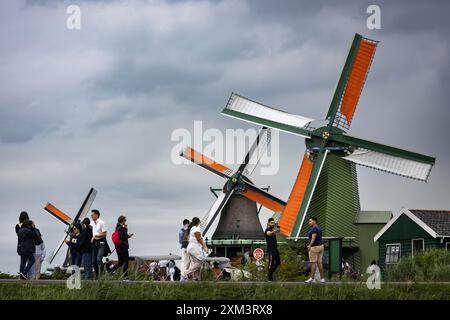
(96,107)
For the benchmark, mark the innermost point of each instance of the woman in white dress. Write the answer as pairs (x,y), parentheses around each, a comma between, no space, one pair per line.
(195,251)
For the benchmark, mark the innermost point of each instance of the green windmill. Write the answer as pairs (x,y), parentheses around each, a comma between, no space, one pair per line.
(326,185)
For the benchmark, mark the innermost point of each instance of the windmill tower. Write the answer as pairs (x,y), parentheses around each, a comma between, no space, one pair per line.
(239,220)
(326,185)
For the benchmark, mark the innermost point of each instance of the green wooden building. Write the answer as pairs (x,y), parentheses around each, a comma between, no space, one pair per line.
(411,231)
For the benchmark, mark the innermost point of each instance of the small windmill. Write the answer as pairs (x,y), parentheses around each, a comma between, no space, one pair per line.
(68,221)
(237,183)
(329,145)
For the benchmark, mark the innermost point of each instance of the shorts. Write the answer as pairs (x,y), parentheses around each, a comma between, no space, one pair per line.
(316,254)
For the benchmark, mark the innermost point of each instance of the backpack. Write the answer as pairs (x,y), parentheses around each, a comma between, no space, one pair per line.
(116,239)
(185,241)
(38,241)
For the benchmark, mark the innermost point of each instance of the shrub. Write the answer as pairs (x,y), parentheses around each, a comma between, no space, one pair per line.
(7,276)
(404,270)
(291,264)
(290,269)
(430,265)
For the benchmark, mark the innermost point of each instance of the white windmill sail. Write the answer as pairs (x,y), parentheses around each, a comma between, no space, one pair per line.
(254,112)
(207,217)
(396,165)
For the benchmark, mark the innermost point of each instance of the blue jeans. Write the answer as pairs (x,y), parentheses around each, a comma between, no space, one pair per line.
(97,257)
(32,273)
(26,262)
(75,258)
(87,264)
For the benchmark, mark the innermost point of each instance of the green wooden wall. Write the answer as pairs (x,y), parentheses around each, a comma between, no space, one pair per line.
(403,231)
(335,201)
(404,228)
(368,249)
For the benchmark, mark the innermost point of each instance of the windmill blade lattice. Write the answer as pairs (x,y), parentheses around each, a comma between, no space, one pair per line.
(264,142)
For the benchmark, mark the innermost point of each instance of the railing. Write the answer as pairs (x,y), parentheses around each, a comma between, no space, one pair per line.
(235,242)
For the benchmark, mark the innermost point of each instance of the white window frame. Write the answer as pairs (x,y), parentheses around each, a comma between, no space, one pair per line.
(412,245)
(399,245)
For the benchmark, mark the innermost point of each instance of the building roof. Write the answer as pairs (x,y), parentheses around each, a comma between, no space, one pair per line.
(435,222)
(373,217)
(438,220)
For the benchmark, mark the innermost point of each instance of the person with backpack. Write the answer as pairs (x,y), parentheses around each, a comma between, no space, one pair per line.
(74,245)
(23,216)
(86,248)
(183,240)
(26,248)
(120,239)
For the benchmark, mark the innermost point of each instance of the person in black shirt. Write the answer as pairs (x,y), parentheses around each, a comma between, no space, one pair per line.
(74,245)
(183,240)
(22,218)
(86,248)
(26,247)
(122,250)
(272,247)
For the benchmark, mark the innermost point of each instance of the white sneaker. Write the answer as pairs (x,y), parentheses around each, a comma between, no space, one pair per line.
(22,276)
(310,280)
(322,280)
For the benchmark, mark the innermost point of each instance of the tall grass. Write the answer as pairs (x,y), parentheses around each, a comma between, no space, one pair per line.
(430,265)
(222,291)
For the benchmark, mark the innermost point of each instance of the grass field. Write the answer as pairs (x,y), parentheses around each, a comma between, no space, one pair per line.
(428,275)
(116,290)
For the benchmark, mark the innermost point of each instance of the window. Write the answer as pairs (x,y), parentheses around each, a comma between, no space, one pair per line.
(393,253)
(417,246)
(447,245)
